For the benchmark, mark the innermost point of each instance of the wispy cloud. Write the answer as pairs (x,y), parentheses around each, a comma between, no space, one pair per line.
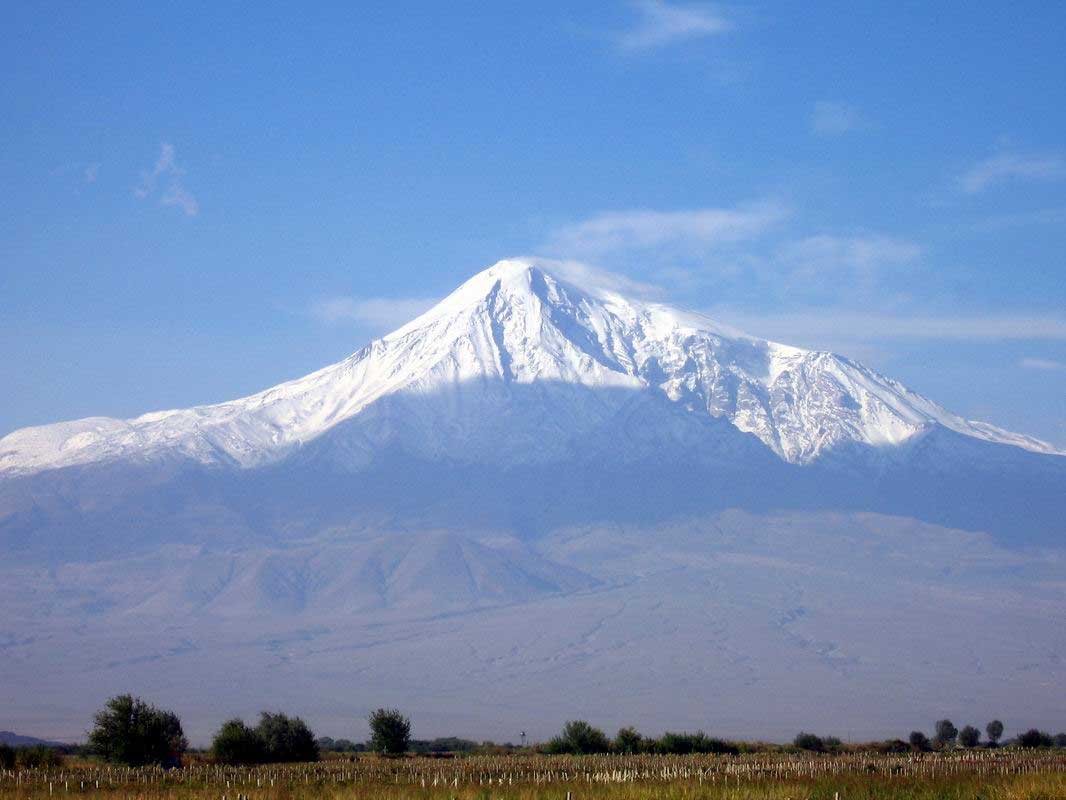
(660,23)
(1011,166)
(380,313)
(1041,363)
(167,174)
(862,254)
(642,229)
(811,326)
(833,119)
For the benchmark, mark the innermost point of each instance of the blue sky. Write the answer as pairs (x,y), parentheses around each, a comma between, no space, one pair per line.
(202,201)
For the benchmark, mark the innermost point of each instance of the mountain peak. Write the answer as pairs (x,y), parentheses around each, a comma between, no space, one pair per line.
(447,385)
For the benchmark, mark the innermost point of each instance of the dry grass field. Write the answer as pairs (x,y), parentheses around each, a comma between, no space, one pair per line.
(976,775)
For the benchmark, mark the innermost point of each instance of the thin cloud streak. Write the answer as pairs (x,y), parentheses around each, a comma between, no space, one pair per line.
(1011,166)
(1045,364)
(377,312)
(614,231)
(825,324)
(661,24)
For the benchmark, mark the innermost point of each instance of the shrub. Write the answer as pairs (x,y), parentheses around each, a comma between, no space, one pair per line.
(685,743)
(390,732)
(236,743)
(1060,740)
(286,738)
(628,741)
(578,738)
(132,732)
(919,741)
(994,729)
(946,733)
(1035,738)
(891,746)
(808,741)
(7,756)
(38,756)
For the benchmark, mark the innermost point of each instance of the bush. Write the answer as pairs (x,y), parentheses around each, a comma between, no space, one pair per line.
(38,757)
(1035,738)
(330,745)
(893,746)
(286,738)
(994,729)
(920,742)
(132,732)
(1060,740)
(628,741)
(945,733)
(808,741)
(579,738)
(390,732)
(969,736)
(444,744)
(236,743)
(685,743)
(7,756)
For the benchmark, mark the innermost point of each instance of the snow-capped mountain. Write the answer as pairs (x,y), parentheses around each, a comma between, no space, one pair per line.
(538,483)
(514,366)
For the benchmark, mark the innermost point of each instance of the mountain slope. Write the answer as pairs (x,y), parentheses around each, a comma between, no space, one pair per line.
(523,324)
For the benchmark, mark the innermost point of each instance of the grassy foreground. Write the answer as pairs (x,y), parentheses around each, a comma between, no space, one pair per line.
(987,775)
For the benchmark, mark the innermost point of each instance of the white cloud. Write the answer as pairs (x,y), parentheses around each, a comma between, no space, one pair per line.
(661,23)
(811,326)
(178,196)
(863,253)
(695,229)
(1011,166)
(376,312)
(832,119)
(1041,363)
(167,172)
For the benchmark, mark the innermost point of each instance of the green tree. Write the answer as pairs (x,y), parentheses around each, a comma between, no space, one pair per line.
(628,741)
(132,732)
(969,736)
(946,733)
(578,737)
(808,741)
(390,732)
(1035,738)
(286,739)
(994,729)
(919,741)
(7,756)
(236,743)
(1060,740)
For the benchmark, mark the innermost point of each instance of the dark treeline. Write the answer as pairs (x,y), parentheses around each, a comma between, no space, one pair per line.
(130,731)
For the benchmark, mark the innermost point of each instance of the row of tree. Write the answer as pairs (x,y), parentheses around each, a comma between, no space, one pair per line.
(130,731)
(945,734)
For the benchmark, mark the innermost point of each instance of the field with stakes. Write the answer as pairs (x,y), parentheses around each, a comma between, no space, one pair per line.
(985,775)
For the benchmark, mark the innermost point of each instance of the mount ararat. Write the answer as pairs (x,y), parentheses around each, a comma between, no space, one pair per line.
(541,499)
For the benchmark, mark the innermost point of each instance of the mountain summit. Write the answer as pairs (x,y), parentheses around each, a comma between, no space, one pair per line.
(511,367)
